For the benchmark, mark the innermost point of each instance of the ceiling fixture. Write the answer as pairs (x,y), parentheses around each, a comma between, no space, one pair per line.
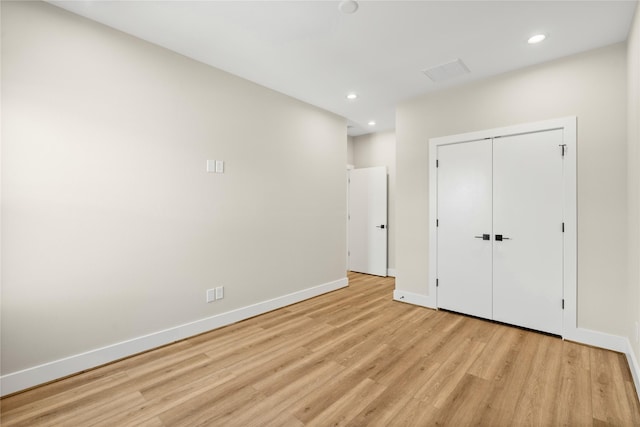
(536,39)
(371,123)
(351,96)
(348,6)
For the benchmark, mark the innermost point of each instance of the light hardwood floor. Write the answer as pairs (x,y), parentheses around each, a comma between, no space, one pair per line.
(351,357)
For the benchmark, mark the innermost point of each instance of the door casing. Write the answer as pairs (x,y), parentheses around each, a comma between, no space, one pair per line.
(568,127)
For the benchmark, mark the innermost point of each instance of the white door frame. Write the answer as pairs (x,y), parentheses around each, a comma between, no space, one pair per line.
(570,263)
(349,168)
(374,210)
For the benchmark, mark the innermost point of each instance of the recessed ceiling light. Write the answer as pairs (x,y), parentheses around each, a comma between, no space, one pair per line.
(372,123)
(352,96)
(536,39)
(348,6)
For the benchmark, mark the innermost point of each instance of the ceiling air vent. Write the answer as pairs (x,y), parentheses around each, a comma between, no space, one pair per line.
(447,71)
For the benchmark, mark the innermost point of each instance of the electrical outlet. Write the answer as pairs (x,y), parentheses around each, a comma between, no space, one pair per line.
(211,295)
(220,292)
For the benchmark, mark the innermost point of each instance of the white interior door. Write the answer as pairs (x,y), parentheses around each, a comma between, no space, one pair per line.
(464,228)
(527,213)
(368,220)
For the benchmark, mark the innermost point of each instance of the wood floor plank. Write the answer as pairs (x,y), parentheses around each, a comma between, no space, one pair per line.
(440,345)
(165,369)
(351,402)
(209,408)
(94,409)
(78,396)
(492,359)
(351,353)
(509,383)
(415,413)
(634,404)
(574,397)
(438,388)
(51,392)
(336,336)
(151,422)
(254,350)
(468,399)
(610,403)
(542,386)
(346,316)
(285,395)
(350,357)
(434,330)
(382,410)
(174,397)
(322,398)
(270,385)
(103,412)
(169,385)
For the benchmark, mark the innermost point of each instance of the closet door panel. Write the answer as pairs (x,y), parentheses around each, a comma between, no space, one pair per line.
(527,213)
(464,215)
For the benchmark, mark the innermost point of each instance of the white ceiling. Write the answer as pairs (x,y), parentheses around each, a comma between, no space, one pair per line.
(313,52)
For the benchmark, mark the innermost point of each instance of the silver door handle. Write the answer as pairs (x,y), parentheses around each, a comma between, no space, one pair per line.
(484,237)
(500,237)
(380,226)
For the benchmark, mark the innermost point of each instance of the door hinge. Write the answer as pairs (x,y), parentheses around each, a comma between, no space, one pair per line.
(563,227)
(437,222)
(437,284)
(564,148)
(563,303)
(437,163)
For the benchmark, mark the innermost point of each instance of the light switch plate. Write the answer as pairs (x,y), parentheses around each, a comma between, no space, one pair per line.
(211,165)
(219,166)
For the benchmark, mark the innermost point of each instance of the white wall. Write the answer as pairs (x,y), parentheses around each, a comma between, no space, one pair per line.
(111,228)
(379,149)
(633,141)
(350,150)
(591,86)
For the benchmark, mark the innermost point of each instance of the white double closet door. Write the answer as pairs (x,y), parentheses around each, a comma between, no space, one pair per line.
(500,229)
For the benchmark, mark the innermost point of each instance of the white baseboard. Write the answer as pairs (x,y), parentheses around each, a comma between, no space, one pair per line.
(597,339)
(415,299)
(36,375)
(391,272)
